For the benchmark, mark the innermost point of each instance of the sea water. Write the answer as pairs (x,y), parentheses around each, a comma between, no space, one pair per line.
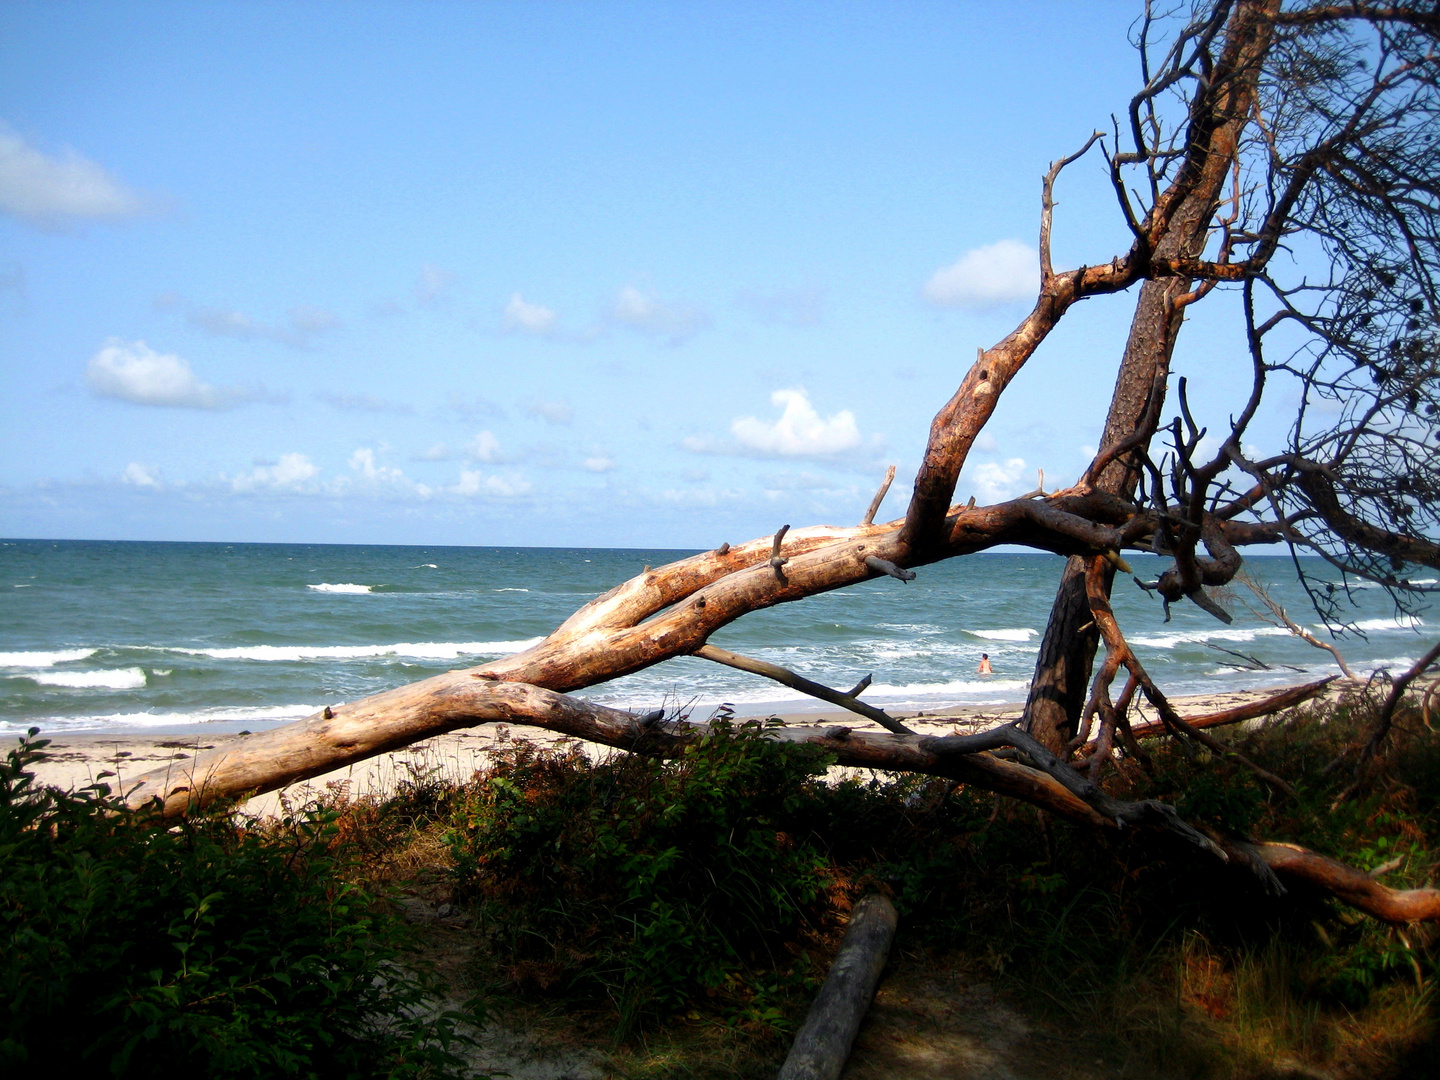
(181,637)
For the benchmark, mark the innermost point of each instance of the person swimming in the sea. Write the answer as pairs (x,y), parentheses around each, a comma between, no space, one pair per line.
(984,668)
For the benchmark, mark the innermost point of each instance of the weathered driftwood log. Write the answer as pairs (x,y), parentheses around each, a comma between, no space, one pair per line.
(269,760)
(823,1043)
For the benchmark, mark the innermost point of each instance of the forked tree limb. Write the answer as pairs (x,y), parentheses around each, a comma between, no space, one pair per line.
(662,613)
(786,677)
(1115,641)
(455,700)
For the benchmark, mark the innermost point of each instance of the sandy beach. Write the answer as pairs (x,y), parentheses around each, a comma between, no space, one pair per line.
(79,759)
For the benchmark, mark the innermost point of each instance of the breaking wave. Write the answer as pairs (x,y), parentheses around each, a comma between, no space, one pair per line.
(113,679)
(1199,637)
(1403,622)
(344,587)
(44,659)
(1020,634)
(415,650)
(112,721)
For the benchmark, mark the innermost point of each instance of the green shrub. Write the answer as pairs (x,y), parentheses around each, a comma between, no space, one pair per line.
(202,947)
(655,881)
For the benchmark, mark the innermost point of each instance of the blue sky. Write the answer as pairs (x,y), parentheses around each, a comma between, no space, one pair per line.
(609,274)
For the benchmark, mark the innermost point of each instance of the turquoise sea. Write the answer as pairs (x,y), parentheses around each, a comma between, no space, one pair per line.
(174,637)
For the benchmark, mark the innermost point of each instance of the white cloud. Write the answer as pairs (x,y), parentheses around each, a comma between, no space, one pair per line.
(798,432)
(651,315)
(141,476)
(293,472)
(473,482)
(520,314)
(986,277)
(362,461)
(598,464)
(434,283)
(985,442)
(372,476)
(996,482)
(552,412)
(484,447)
(49,191)
(132,371)
(438,452)
(302,323)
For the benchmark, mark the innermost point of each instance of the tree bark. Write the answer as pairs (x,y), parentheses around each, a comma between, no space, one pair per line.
(1067,653)
(823,1043)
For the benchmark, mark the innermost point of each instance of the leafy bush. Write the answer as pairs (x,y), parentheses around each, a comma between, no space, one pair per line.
(654,881)
(203,948)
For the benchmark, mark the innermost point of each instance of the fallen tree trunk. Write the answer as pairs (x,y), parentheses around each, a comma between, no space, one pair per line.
(329,739)
(823,1043)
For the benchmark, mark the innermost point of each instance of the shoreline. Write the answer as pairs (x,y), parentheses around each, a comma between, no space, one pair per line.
(75,760)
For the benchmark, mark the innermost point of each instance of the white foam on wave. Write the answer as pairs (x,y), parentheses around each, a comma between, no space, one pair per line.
(415,650)
(425,566)
(1019,634)
(111,679)
(512,590)
(113,721)
(44,659)
(1377,585)
(1193,637)
(1403,622)
(343,587)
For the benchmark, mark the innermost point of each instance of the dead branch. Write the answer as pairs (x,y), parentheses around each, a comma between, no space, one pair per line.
(1286,699)
(879,496)
(786,677)
(455,700)
(1115,641)
(1381,730)
(1277,616)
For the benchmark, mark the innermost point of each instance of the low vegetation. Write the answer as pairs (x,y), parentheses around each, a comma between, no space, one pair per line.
(208,948)
(679,914)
